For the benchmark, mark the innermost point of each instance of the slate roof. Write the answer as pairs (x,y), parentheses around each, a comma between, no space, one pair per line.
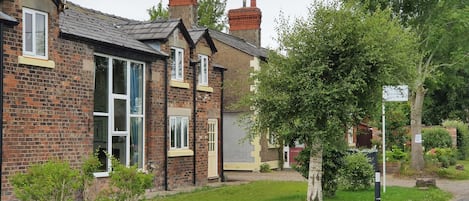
(156,30)
(197,34)
(239,44)
(99,27)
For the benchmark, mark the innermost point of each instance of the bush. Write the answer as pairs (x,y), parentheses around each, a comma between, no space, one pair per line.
(126,184)
(357,174)
(54,180)
(436,137)
(396,154)
(265,167)
(445,156)
(462,139)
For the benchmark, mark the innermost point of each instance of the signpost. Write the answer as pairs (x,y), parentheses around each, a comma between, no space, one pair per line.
(391,94)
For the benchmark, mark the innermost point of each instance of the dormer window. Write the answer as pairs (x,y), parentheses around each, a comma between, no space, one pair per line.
(35,33)
(177,66)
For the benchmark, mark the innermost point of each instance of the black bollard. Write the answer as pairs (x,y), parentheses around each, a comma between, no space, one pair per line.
(377,186)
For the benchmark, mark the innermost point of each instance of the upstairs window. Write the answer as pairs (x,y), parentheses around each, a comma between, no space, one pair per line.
(35,33)
(177,66)
(203,70)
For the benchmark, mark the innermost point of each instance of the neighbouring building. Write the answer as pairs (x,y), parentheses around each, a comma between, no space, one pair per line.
(77,80)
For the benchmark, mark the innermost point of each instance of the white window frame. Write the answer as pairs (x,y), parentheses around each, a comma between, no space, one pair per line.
(203,73)
(184,145)
(33,53)
(129,115)
(177,64)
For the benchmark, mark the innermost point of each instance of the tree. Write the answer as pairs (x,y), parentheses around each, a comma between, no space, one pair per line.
(442,27)
(212,14)
(159,12)
(335,62)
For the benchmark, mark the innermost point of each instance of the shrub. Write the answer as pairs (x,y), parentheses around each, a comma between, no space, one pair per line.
(436,137)
(445,156)
(54,180)
(357,173)
(462,139)
(126,184)
(265,167)
(396,154)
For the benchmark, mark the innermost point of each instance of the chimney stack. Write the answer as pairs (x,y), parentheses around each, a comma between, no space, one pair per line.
(245,23)
(184,9)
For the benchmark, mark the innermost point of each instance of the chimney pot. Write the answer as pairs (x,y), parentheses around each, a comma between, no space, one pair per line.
(253,3)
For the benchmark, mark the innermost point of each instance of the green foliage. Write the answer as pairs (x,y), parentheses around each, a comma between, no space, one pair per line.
(158,13)
(396,154)
(462,139)
(265,167)
(54,180)
(126,183)
(357,173)
(211,14)
(445,156)
(436,137)
(333,160)
(397,120)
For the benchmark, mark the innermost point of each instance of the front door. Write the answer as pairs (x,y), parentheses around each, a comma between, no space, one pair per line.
(212,148)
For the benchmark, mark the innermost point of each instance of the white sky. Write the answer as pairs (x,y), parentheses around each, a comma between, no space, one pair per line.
(137,9)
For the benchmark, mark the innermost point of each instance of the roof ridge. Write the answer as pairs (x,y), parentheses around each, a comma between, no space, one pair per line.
(101,13)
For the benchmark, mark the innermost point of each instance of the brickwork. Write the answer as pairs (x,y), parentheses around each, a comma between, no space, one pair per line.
(268,152)
(184,9)
(246,23)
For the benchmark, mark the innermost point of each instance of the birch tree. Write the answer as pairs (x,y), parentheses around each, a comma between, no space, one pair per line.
(328,76)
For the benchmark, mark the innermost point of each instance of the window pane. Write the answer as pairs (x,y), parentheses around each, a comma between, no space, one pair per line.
(28,32)
(40,34)
(101,84)
(199,77)
(173,64)
(173,132)
(119,149)
(184,132)
(100,140)
(120,116)
(205,70)
(136,142)
(178,132)
(119,76)
(136,88)
(179,67)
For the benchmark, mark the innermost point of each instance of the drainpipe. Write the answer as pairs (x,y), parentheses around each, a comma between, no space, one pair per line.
(193,64)
(221,124)
(4,20)
(165,127)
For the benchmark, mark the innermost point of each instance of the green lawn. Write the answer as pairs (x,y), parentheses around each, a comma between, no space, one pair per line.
(452,173)
(296,191)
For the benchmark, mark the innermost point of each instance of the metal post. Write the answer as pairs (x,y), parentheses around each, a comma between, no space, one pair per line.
(377,186)
(384,147)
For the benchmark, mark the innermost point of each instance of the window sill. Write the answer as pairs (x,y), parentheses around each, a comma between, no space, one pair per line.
(101,174)
(180,152)
(36,62)
(205,88)
(179,84)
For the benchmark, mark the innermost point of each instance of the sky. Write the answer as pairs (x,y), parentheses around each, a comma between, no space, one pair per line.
(137,9)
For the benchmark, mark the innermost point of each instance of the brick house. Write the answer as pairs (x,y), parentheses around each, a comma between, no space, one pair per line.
(78,80)
(240,53)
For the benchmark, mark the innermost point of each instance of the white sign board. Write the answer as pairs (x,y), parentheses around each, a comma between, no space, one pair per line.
(418,138)
(396,93)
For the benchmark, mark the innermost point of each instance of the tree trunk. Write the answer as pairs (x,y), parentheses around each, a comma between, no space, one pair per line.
(417,162)
(315,174)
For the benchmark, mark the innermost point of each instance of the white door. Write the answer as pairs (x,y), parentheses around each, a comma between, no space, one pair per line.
(212,148)
(286,156)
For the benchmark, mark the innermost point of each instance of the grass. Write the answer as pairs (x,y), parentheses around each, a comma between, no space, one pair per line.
(296,191)
(452,173)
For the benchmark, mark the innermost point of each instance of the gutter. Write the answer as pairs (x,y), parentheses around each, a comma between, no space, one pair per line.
(9,21)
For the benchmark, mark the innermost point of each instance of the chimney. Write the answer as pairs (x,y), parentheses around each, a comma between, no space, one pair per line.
(245,23)
(184,9)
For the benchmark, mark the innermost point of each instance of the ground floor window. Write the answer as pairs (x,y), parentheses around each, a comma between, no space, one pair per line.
(179,132)
(119,111)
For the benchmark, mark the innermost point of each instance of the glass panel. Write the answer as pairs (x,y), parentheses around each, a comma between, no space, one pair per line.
(136,88)
(178,132)
(184,131)
(119,149)
(101,84)
(173,64)
(119,76)
(173,132)
(205,70)
(100,140)
(40,34)
(179,67)
(136,142)
(28,32)
(199,77)
(120,116)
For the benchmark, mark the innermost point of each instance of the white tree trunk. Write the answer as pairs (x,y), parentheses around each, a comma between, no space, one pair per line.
(417,162)
(315,174)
